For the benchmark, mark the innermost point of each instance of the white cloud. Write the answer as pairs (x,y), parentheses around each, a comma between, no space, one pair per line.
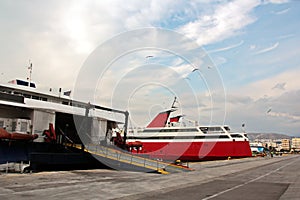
(219,60)
(286,36)
(276,1)
(252,47)
(222,23)
(280,86)
(59,36)
(281,11)
(284,115)
(227,48)
(274,46)
(249,104)
(265,87)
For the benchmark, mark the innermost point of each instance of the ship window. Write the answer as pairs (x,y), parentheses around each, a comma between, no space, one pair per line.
(224,136)
(169,130)
(188,130)
(214,129)
(23,126)
(236,135)
(211,129)
(14,126)
(75,105)
(212,137)
(204,129)
(27,96)
(32,85)
(153,130)
(25,83)
(226,128)
(80,105)
(35,97)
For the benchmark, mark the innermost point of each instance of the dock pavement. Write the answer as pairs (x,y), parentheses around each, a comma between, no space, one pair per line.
(248,178)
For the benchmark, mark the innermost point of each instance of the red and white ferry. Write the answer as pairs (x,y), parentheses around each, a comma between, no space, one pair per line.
(164,139)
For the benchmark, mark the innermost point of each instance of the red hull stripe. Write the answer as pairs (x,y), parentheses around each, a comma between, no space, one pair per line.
(194,151)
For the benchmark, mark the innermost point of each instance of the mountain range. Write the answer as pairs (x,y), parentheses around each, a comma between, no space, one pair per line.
(272,136)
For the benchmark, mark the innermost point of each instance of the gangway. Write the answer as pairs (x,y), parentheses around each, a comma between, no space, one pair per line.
(123,160)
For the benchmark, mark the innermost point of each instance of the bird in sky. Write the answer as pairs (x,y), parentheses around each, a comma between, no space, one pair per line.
(149,56)
(195,69)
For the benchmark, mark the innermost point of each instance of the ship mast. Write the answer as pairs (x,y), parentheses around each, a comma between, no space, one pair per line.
(173,104)
(30,72)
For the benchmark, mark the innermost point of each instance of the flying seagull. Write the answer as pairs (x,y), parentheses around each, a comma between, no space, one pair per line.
(149,56)
(270,109)
(195,69)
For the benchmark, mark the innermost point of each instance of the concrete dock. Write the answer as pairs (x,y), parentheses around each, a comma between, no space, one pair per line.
(249,178)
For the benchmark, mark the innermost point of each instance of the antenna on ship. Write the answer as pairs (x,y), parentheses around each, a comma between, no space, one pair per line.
(173,104)
(30,72)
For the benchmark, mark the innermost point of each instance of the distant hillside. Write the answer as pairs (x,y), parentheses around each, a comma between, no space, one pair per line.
(273,136)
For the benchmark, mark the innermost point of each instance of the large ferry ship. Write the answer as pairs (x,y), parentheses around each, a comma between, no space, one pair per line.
(43,127)
(165,138)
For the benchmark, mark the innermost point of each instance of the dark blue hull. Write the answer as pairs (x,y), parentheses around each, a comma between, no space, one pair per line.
(47,156)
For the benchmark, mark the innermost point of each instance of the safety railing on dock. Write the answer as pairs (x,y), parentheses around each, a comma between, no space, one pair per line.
(128,158)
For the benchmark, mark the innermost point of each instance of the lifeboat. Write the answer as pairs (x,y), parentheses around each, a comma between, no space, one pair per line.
(16,136)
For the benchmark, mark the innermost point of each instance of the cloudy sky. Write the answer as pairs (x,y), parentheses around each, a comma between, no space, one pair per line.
(241,65)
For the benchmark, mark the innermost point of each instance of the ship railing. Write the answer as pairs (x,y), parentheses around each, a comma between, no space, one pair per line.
(127,157)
